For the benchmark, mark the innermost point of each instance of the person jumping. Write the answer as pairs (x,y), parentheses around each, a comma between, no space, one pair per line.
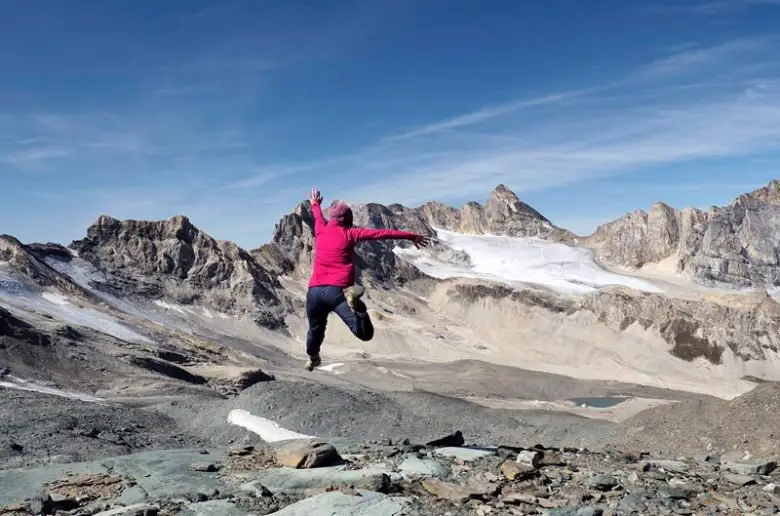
(332,285)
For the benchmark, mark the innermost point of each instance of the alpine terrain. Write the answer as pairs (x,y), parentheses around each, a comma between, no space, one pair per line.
(517,368)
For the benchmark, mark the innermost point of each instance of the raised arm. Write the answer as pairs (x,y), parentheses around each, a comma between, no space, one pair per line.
(316,210)
(360,234)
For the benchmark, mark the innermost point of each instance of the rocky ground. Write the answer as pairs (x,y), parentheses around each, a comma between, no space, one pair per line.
(380,454)
(443,477)
(38,429)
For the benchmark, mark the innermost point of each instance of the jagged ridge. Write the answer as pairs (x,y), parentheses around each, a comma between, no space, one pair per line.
(738,244)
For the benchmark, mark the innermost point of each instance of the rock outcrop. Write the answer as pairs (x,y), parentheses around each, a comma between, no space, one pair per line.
(738,245)
(26,262)
(640,237)
(693,329)
(175,260)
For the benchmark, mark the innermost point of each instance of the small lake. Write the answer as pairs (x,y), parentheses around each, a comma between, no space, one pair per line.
(598,401)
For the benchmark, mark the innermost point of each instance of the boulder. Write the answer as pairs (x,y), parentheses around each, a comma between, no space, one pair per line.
(306,454)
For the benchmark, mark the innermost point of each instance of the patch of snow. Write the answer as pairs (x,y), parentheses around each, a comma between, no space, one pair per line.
(80,271)
(10,284)
(12,382)
(330,368)
(86,275)
(58,306)
(268,430)
(169,306)
(517,260)
(57,299)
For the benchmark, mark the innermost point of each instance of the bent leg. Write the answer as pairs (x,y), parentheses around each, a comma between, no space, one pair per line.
(358,322)
(317,314)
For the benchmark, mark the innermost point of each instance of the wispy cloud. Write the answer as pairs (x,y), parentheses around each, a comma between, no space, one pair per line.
(603,131)
(693,60)
(484,114)
(715,7)
(33,156)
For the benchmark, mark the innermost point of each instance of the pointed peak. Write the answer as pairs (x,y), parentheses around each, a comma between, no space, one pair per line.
(10,239)
(502,191)
(182,220)
(105,220)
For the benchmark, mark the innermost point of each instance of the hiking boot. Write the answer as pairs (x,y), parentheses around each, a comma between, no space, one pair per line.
(313,362)
(353,295)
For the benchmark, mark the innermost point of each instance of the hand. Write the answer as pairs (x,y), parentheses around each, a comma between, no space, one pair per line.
(421,241)
(315,197)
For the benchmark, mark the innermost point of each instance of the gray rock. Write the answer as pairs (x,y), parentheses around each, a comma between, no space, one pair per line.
(240,451)
(672,466)
(771,488)
(740,480)
(603,482)
(255,489)
(368,503)
(205,467)
(140,509)
(381,483)
(574,511)
(632,504)
(413,466)
(751,467)
(464,454)
(294,481)
(674,493)
(212,508)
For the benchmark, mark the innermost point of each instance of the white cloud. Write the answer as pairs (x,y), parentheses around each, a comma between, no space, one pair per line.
(725,104)
(603,131)
(691,61)
(483,114)
(714,7)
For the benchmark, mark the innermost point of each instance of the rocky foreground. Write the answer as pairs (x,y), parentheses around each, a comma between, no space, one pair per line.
(445,477)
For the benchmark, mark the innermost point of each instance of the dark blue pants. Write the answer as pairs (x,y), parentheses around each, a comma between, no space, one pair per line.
(321,301)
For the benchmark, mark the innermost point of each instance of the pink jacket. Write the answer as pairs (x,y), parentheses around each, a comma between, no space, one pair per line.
(334,249)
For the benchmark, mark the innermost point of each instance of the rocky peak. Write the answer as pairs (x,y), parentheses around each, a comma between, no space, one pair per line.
(502,198)
(174,259)
(768,194)
(504,207)
(503,214)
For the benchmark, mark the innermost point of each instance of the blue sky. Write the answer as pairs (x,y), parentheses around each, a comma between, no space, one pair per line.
(228,112)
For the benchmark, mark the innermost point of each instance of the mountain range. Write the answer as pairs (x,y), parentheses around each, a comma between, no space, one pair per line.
(657,332)
(683,292)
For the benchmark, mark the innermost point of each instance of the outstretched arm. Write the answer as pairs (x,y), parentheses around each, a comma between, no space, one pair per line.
(360,234)
(316,210)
